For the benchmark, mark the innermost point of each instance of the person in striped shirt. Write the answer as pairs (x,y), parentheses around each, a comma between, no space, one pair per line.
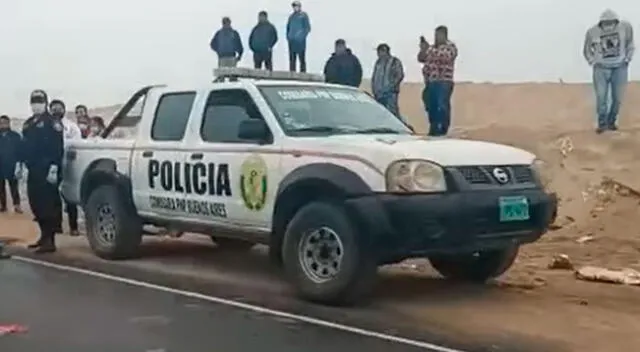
(439,62)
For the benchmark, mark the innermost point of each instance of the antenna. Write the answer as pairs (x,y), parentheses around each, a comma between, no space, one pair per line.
(233,74)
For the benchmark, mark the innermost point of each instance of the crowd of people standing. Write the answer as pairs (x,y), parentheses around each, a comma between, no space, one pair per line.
(35,154)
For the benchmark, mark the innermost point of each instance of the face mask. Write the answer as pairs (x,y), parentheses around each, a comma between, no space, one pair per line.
(58,114)
(83,126)
(38,108)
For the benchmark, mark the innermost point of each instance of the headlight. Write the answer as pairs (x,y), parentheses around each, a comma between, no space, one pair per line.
(415,176)
(542,172)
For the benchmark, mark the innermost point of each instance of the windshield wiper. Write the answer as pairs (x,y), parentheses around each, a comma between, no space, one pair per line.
(378,130)
(321,129)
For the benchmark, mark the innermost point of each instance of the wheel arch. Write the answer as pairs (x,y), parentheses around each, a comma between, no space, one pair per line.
(306,184)
(100,172)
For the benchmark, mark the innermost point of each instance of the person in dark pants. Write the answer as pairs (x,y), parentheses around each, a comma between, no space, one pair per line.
(42,152)
(298,28)
(70,131)
(343,67)
(262,39)
(439,61)
(10,168)
(227,44)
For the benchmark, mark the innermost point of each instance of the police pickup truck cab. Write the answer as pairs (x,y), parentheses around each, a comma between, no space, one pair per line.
(332,182)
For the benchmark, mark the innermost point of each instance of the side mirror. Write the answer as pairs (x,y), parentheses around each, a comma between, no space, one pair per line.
(254,129)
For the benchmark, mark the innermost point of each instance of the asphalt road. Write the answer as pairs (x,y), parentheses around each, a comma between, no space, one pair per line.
(72,312)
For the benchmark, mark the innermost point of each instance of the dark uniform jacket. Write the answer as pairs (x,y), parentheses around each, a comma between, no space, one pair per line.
(10,143)
(43,144)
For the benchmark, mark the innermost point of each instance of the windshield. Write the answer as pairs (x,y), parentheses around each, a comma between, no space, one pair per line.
(309,111)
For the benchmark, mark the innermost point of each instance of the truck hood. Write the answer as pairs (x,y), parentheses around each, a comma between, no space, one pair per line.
(443,151)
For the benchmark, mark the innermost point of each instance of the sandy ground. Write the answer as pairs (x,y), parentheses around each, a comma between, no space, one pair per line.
(556,122)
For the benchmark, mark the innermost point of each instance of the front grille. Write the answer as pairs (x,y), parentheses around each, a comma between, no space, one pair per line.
(483,175)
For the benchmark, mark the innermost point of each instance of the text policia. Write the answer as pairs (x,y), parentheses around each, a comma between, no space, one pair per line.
(184,179)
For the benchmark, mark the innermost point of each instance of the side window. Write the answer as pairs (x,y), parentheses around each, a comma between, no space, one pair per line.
(172,115)
(224,112)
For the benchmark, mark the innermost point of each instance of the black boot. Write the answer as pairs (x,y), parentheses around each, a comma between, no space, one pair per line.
(48,246)
(36,244)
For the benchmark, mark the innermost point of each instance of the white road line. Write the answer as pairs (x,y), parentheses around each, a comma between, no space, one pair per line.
(245,306)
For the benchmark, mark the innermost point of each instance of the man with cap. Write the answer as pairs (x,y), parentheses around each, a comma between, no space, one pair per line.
(608,49)
(343,67)
(42,152)
(70,131)
(298,28)
(227,44)
(388,74)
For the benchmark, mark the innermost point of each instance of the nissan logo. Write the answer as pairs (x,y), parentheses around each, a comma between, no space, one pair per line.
(501,175)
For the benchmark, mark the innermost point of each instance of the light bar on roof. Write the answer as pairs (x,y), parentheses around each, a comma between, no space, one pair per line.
(222,74)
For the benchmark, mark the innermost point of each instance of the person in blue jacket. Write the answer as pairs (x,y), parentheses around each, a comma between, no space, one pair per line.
(262,39)
(298,28)
(227,44)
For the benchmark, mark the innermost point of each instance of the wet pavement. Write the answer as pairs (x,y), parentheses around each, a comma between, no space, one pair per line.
(72,312)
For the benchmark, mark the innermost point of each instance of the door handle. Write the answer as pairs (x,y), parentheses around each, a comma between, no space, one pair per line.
(197,156)
(147,154)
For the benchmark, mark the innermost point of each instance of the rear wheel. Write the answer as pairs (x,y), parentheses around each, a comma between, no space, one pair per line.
(232,243)
(476,267)
(114,229)
(324,257)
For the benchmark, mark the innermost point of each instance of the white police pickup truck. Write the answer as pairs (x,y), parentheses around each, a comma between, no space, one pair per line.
(332,182)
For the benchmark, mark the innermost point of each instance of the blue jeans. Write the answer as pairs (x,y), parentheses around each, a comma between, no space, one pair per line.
(609,84)
(390,101)
(437,99)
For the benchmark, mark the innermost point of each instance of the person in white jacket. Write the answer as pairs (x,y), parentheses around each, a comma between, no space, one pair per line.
(70,131)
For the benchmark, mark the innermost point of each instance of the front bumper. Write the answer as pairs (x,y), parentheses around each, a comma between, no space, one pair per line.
(403,226)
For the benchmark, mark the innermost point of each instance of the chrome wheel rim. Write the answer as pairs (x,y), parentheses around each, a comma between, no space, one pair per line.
(106,224)
(320,254)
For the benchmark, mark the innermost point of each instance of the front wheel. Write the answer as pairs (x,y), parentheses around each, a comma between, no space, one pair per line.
(114,229)
(324,256)
(476,267)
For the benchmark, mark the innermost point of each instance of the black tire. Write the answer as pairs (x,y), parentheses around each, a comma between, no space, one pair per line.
(475,267)
(232,243)
(357,271)
(127,234)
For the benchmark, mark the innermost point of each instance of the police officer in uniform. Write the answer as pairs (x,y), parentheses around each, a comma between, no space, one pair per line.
(42,154)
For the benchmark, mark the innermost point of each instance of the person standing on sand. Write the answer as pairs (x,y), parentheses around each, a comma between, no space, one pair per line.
(10,168)
(70,131)
(608,48)
(439,61)
(298,28)
(262,39)
(227,44)
(343,67)
(387,77)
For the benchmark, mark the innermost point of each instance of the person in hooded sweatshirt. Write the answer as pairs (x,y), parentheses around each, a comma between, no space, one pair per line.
(227,44)
(262,39)
(608,49)
(343,67)
(42,152)
(10,168)
(298,28)
(70,131)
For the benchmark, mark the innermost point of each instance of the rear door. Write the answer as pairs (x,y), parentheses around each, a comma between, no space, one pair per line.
(157,162)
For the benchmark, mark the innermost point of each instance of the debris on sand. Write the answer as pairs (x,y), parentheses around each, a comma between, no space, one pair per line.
(565,144)
(561,262)
(620,188)
(620,277)
(585,239)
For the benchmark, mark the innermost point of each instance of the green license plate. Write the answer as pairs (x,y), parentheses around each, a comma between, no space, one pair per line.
(514,208)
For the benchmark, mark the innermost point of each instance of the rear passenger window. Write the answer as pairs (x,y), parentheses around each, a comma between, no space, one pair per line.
(172,115)
(224,112)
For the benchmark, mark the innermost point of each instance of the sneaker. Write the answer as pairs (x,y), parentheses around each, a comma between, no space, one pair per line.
(3,209)
(613,128)
(600,130)
(17,209)
(74,233)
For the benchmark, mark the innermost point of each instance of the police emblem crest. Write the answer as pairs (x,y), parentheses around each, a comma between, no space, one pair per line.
(253,182)
(58,126)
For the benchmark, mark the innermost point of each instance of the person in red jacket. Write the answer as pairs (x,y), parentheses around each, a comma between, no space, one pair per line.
(439,62)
